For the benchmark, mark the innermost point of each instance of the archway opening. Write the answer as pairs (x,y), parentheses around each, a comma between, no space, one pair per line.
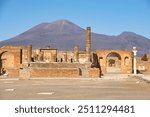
(6,62)
(113,61)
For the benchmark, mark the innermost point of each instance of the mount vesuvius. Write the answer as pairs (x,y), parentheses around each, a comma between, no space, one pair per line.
(64,35)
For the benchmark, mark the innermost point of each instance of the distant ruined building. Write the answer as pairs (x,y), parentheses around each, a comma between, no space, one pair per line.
(25,62)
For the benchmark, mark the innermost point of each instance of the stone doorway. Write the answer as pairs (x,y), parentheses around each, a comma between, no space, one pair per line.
(113,62)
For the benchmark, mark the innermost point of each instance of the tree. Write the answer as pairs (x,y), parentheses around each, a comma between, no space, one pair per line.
(111,62)
(144,58)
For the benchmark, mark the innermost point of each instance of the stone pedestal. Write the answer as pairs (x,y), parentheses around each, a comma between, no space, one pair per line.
(94,72)
(24,73)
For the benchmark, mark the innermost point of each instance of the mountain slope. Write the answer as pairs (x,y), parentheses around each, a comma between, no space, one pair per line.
(63,35)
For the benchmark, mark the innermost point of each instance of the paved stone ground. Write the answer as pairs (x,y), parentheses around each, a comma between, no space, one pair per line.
(53,89)
(146,77)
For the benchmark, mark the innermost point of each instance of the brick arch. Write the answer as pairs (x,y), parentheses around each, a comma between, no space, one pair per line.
(14,57)
(113,62)
(6,61)
(125,67)
(1,53)
(114,54)
(1,64)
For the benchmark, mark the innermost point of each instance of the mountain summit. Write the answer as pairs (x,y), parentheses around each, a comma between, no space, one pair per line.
(58,27)
(64,35)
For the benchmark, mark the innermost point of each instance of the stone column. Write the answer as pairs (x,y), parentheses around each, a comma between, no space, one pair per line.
(53,58)
(134,60)
(65,57)
(29,53)
(88,43)
(76,54)
(41,56)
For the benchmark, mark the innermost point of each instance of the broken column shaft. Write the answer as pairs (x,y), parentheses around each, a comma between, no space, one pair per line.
(88,43)
(76,53)
(29,53)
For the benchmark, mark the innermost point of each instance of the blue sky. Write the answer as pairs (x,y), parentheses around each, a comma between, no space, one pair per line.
(104,16)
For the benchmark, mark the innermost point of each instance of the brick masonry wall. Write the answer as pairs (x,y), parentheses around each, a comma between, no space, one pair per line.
(94,72)
(11,56)
(13,73)
(126,66)
(55,72)
(56,65)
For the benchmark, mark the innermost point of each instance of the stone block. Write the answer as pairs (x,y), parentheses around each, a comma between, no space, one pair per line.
(94,72)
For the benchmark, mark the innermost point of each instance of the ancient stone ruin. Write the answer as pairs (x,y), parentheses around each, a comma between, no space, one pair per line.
(25,62)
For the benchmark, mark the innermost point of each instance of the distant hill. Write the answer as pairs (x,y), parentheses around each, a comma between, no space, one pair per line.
(63,35)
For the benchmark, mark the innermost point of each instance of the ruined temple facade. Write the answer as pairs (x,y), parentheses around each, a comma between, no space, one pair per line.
(25,62)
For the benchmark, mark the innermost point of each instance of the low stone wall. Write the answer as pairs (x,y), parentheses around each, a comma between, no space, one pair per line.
(126,70)
(55,72)
(13,73)
(94,72)
(47,70)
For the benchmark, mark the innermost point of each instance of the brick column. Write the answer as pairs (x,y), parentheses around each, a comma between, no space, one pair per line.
(29,53)
(76,53)
(88,43)
(41,56)
(65,57)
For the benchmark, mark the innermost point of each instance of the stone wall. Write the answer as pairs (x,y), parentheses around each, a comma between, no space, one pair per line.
(83,57)
(55,72)
(13,73)
(148,66)
(41,70)
(10,59)
(56,65)
(49,55)
(124,56)
(65,56)
(94,72)
(141,65)
(82,68)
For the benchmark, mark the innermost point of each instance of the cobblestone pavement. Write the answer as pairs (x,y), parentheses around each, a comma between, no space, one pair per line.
(70,89)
